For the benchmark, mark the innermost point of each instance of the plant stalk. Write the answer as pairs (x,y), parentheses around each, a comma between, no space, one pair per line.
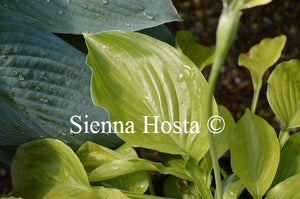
(283,136)
(255,99)
(226,33)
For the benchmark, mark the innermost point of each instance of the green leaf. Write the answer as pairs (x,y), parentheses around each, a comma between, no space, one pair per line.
(47,168)
(136,182)
(232,187)
(199,54)
(40,165)
(222,139)
(261,57)
(137,78)
(284,93)
(253,3)
(78,16)
(102,163)
(175,162)
(67,192)
(286,189)
(289,164)
(254,153)
(43,83)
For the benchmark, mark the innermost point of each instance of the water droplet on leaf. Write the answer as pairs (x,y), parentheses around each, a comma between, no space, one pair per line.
(180,78)
(141,8)
(43,100)
(105,2)
(148,16)
(20,77)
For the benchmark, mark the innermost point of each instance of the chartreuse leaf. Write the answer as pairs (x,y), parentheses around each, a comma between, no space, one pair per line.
(253,3)
(222,139)
(232,187)
(289,164)
(145,81)
(199,54)
(43,83)
(78,16)
(286,189)
(67,192)
(49,169)
(102,163)
(175,162)
(137,182)
(254,153)
(259,59)
(284,93)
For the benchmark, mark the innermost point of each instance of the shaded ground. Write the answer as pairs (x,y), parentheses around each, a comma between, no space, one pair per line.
(234,89)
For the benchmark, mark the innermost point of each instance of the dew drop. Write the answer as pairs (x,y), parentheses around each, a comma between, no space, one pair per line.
(85,6)
(16,73)
(180,78)
(43,100)
(127,24)
(48,1)
(192,76)
(116,168)
(105,2)
(3,56)
(150,17)
(141,8)
(20,77)
(68,1)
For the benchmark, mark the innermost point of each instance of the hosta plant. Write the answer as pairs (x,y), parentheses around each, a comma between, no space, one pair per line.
(156,98)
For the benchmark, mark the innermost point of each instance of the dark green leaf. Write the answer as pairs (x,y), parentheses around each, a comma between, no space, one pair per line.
(92,16)
(43,83)
(161,33)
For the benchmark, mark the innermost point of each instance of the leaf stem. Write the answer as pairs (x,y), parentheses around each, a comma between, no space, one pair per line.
(226,33)
(283,136)
(255,99)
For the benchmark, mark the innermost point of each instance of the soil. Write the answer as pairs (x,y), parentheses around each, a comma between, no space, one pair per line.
(234,89)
